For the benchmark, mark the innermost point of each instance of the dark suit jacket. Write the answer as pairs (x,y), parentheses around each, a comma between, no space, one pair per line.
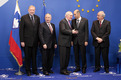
(45,35)
(29,32)
(102,32)
(65,34)
(82,36)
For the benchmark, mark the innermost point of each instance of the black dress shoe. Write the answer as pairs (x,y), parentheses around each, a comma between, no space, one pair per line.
(46,73)
(76,70)
(107,70)
(50,71)
(36,73)
(96,69)
(28,74)
(84,70)
(65,73)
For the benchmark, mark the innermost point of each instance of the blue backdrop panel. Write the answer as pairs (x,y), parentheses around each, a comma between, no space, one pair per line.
(58,8)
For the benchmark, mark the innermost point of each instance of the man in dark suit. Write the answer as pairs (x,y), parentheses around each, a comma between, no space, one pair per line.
(64,42)
(47,36)
(80,40)
(100,31)
(29,38)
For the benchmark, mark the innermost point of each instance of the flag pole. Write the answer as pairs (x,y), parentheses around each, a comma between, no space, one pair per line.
(19,71)
(44,3)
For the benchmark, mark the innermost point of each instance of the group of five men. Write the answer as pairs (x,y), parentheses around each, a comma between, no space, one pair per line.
(76,35)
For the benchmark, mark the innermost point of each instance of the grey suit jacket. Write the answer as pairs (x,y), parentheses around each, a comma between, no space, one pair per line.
(65,34)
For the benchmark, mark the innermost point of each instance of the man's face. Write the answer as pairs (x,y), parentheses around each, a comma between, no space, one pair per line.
(99,16)
(31,10)
(69,17)
(76,15)
(47,18)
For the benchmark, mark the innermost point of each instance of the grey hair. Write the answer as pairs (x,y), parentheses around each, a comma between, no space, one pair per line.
(31,6)
(68,13)
(48,14)
(103,14)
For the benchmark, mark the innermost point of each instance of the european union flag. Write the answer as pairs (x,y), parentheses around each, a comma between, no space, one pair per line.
(43,12)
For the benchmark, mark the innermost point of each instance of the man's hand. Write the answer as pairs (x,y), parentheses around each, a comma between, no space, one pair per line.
(74,31)
(45,46)
(55,46)
(99,40)
(86,43)
(71,43)
(22,44)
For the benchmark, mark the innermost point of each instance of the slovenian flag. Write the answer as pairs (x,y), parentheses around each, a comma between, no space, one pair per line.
(14,41)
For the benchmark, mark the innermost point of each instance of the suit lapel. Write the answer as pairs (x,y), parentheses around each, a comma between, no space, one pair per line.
(98,25)
(102,26)
(47,27)
(81,22)
(75,25)
(35,19)
(29,19)
(67,23)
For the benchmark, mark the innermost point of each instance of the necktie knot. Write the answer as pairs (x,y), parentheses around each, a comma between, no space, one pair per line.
(32,18)
(77,21)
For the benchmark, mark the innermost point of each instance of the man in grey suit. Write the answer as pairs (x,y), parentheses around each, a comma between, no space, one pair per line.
(47,36)
(29,38)
(100,32)
(80,40)
(64,42)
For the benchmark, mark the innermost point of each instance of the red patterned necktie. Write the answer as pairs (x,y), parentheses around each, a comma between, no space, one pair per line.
(69,24)
(50,27)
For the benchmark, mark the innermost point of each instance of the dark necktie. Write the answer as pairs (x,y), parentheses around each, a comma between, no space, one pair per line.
(77,23)
(32,18)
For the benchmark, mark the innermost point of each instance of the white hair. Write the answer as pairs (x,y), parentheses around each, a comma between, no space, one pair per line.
(31,6)
(48,14)
(68,13)
(102,12)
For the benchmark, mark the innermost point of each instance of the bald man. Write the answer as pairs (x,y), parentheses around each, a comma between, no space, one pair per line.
(64,42)
(100,32)
(47,36)
(29,38)
(80,40)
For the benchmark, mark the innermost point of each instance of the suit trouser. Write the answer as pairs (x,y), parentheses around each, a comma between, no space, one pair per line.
(64,58)
(47,59)
(104,51)
(30,55)
(82,49)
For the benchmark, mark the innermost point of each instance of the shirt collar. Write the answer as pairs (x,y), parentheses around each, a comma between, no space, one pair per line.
(48,24)
(79,18)
(67,19)
(101,21)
